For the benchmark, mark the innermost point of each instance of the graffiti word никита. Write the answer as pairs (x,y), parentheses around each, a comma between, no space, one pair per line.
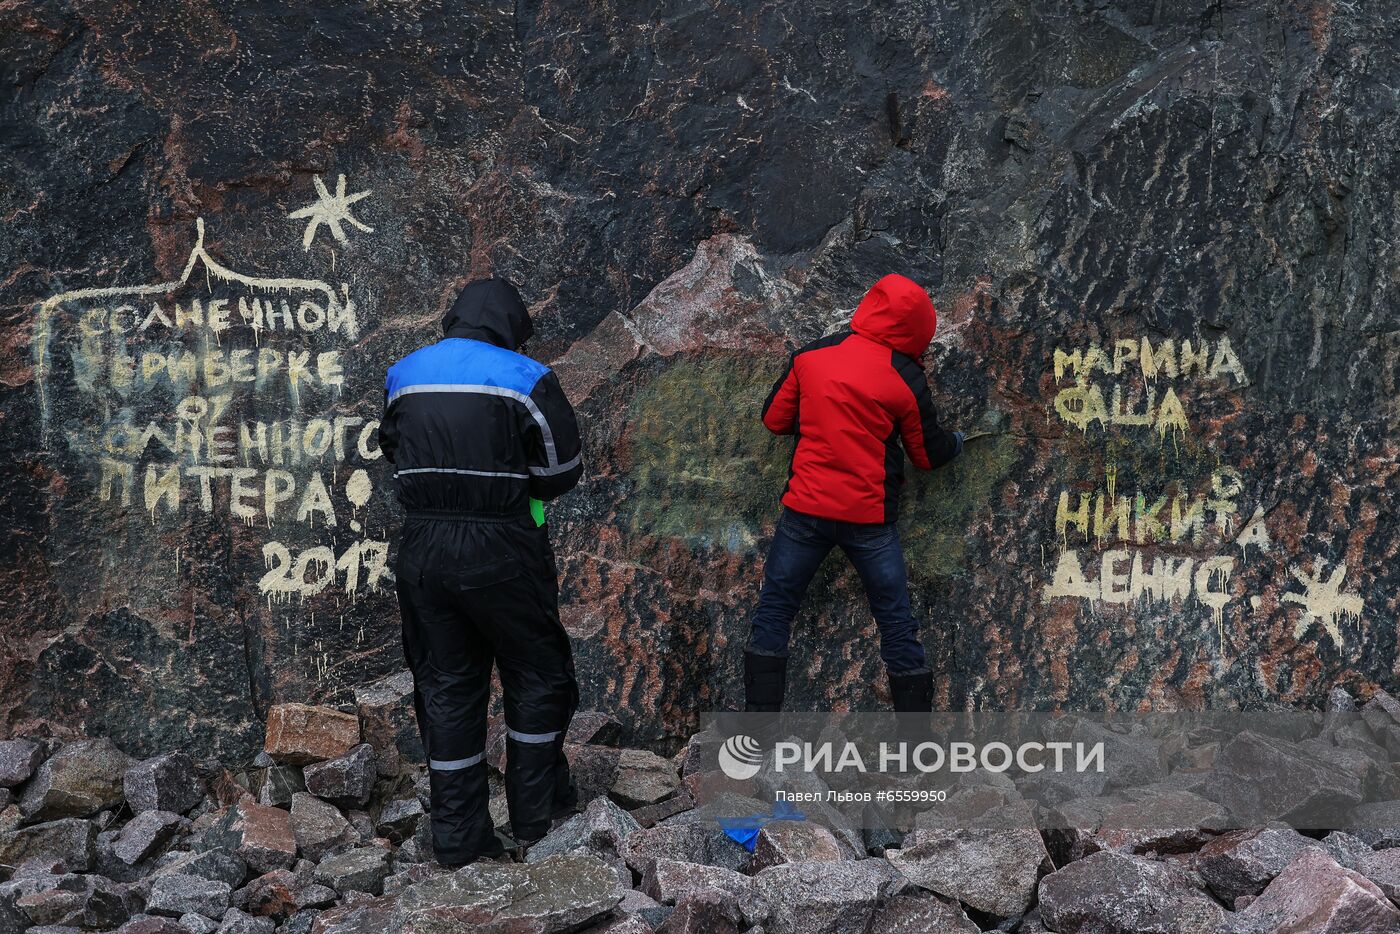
(1116,386)
(934,757)
(1158,516)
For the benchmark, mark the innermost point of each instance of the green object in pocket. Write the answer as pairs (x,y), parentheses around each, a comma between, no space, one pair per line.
(537,511)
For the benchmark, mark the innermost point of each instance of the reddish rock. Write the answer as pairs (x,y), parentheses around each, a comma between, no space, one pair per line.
(786,841)
(300,734)
(1242,862)
(259,835)
(1315,894)
(271,895)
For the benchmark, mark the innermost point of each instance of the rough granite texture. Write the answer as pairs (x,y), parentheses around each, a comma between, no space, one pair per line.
(196,520)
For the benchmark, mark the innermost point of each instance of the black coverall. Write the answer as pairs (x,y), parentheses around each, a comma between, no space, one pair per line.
(475,430)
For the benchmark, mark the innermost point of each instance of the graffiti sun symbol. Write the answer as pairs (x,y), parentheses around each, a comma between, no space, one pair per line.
(330,209)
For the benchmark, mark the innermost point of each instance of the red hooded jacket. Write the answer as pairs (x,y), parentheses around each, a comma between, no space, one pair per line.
(851,399)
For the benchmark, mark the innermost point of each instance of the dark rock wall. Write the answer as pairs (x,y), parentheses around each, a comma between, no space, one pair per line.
(1160,236)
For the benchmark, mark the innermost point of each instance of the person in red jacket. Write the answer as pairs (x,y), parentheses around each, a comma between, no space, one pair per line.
(857,401)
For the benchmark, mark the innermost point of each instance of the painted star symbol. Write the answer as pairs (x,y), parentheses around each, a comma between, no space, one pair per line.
(330,209)
(1322,599)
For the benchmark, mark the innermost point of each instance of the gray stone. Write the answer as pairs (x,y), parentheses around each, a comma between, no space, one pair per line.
(145,834)
(79,780)
(593,768)
(198,924)
(399,819)
(149,924)
(1261,779)
(175,895)
(561,893)
(316,896)
(168,782)
(992,870)
(69,840)
(643,778)
(638,904)
(1137,757)
(1316,895)
(600,828)
(826,897)
(18,760)
(923,914)
(387,721)
(1383,868)
(318,827)
(359,870)
(303,922)
(84,901)
(690,841)
(1157,821)
(1110,892)
(213,865)
(238,922)
(1376,823)
(669,882)
(1243,862)
(594,726)
(702,914)
(277,784)
(1340,700)
(653,814)
(1345,849)
(346,781)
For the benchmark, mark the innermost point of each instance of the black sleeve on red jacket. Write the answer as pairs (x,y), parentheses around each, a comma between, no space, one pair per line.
(780,410)
(553,447)
(929,445)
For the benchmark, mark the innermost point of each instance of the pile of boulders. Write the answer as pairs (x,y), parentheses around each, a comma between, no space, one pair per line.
(327,831)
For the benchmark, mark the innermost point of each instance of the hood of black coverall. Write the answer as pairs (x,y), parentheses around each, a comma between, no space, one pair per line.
(489,310)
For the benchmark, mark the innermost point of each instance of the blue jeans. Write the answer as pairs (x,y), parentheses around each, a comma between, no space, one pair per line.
(800,544)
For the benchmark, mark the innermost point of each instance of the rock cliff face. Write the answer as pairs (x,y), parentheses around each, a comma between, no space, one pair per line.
(1160,237)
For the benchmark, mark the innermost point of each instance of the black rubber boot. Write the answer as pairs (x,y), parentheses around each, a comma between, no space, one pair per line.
(765,682)
(913,692)
(912,695)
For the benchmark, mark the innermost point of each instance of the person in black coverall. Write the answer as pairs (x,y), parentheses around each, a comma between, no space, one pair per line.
(475,430)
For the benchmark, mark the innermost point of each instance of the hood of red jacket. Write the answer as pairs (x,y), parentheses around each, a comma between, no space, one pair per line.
(897,312)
